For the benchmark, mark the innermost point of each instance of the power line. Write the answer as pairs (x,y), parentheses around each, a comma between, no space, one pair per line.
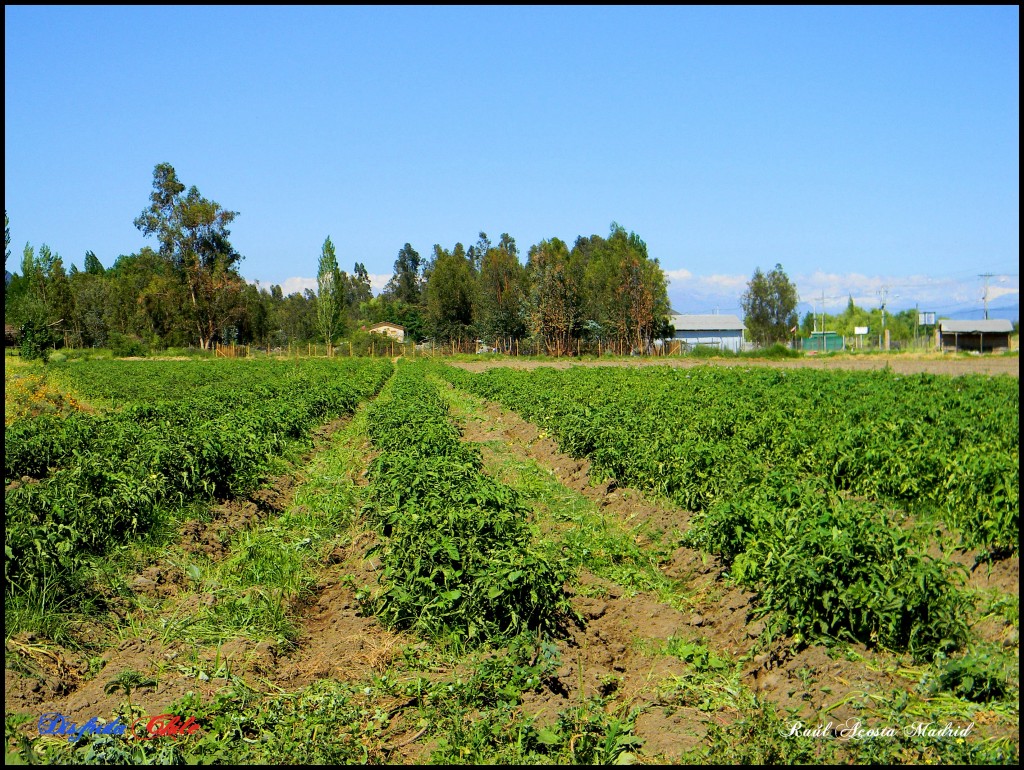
(986,276)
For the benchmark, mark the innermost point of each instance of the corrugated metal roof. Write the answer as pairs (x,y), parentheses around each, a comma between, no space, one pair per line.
(706,323)
(976,327)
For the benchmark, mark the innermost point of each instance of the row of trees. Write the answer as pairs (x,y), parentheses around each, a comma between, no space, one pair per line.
(601,289)
(188,290)
(770,305)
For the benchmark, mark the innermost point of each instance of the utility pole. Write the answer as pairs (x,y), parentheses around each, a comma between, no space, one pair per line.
(986,276)
(884,294)
(822,320)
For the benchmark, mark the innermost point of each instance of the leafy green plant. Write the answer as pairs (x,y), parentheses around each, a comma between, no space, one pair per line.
(128,681)
(834,568)
(982,674)
(758,737)
(588,734)
(941,445)
(126,345)
(697,655)
(792,475)
(457,551)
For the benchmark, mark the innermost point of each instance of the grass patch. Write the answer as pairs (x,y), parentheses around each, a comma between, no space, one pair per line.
(269,570)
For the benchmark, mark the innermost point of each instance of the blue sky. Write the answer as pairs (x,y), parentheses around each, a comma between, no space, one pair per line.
(864,149)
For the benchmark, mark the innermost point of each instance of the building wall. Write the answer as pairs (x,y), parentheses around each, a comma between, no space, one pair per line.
(390,331)
(953,341)
(723,340)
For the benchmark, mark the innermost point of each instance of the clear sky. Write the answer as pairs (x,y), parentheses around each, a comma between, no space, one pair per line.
(864,149)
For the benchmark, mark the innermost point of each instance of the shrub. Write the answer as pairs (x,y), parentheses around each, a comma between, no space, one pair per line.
(127,345)
(37,339)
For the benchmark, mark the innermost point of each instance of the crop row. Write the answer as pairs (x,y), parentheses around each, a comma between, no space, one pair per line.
(743,450)
(78,485)
(835,568)
(929,444)
(117,382)
(457,548)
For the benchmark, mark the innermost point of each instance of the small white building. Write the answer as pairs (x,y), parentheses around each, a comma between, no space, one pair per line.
(724,332)
(395,331)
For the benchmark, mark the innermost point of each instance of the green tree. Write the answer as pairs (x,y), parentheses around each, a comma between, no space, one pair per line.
(37,269)
(90,292)
(92,264)
(359,286)
(296,318)
(36,339)
(406,283)
(410,317)
(61,305)
(146,298)
(159,301)
(255,322)
(478,250)
(20,300)
(355,290)
(329,294)
(449,294)
(626,295)
(501,294)
(8,278)
(808,324)
(556,296)
(769,304)
(192,233)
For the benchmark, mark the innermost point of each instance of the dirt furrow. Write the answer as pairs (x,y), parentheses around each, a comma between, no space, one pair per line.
(608,653)
(50,678)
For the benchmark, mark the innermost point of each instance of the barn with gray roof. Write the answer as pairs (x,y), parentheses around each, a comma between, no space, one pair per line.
(981,336)
(724,332)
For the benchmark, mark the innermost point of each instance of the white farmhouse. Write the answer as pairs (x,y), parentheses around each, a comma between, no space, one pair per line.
(394,331)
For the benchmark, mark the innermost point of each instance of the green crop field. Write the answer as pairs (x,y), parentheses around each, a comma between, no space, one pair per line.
(354,560)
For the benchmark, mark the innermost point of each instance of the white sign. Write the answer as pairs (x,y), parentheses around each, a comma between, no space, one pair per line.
(860,329)
(926,319)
